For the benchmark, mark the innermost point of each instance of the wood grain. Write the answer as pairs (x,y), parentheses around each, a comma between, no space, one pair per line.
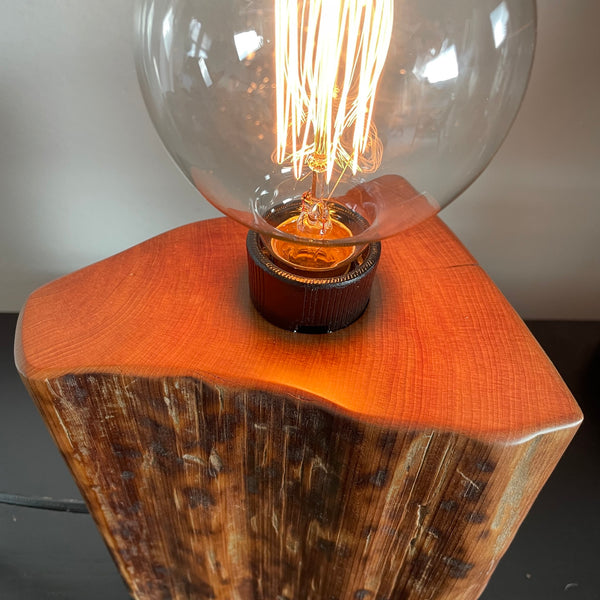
(224,458)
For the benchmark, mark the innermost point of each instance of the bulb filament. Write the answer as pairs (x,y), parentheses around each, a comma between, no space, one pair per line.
(329,56)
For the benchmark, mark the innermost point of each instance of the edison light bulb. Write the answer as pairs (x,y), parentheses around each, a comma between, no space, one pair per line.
(326,125)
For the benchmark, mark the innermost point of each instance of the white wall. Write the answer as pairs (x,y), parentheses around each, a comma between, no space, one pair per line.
(83,174)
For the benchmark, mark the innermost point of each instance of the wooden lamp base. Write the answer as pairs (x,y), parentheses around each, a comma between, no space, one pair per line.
(222,457)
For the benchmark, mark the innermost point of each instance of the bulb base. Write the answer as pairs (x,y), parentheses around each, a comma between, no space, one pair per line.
(307,304)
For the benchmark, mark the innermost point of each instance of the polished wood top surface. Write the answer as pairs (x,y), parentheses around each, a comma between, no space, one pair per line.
(438,347)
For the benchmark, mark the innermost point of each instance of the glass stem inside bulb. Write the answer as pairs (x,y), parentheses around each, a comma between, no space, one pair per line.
(316,221)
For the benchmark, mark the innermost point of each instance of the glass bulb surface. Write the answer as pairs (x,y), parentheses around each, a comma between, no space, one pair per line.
(390,111)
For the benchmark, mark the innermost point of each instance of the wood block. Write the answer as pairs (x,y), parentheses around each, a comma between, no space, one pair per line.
(224,458)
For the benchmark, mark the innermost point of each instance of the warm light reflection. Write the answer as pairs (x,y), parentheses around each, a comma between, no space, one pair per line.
(499,21)
(167,30)
(247,43)
(194,30)
(313,258)
(442,67)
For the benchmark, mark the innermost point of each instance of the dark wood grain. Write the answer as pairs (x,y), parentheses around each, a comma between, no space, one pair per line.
(223,458)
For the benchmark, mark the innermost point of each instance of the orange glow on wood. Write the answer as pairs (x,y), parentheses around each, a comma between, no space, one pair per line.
(438,347)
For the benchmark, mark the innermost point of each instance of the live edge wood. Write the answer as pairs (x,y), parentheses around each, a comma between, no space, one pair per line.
(224,458)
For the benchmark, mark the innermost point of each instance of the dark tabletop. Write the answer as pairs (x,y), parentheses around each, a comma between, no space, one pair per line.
(58,555)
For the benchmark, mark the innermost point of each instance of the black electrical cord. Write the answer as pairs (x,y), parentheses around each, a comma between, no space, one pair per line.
(45,503)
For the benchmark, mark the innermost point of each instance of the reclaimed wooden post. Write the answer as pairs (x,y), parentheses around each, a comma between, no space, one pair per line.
(224,458)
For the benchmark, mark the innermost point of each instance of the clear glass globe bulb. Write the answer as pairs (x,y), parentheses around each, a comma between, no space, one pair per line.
(388,108)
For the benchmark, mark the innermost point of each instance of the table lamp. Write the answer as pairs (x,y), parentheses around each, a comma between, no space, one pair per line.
(340,419)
